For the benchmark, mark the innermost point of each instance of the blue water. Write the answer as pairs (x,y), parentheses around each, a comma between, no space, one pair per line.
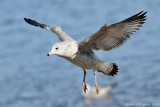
(28,78)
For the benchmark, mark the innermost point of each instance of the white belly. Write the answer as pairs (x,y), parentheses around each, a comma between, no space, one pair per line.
(85,61)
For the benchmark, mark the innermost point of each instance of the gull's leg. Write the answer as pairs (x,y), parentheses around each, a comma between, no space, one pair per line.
(96,85)
(84,84)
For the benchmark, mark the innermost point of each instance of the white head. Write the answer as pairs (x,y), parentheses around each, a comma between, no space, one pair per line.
(64,49)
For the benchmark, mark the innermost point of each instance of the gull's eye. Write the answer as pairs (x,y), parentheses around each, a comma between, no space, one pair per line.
(56,48)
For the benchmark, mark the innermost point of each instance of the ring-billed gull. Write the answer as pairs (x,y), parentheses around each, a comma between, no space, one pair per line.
(107,38)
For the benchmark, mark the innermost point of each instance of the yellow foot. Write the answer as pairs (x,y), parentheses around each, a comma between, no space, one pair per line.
(97,90)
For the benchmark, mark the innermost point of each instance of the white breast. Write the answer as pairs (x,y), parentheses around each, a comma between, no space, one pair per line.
(84,60)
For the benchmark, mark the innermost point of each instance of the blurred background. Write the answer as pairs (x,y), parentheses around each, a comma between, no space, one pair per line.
(28,78)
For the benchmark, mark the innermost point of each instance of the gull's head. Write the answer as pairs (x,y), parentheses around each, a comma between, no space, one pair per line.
(64,49)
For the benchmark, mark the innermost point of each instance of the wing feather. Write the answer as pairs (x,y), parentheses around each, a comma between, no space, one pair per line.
(61,35)
(115,35)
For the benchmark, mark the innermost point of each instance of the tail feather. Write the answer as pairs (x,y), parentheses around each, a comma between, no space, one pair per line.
(114,70)
(110,69)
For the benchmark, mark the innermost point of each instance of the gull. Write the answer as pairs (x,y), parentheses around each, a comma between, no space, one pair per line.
(103,91)
(81,53)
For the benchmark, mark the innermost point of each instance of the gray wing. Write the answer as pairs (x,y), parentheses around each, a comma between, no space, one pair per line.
(113,36)
(61,35)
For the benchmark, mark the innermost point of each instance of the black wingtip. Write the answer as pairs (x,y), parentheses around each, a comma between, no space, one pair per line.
(32,22)
(27,19)
(140,12)
(144,12)
(142,16)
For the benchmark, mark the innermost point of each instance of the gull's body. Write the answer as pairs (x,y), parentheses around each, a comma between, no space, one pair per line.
(84,60)
(107,38)
(81,58)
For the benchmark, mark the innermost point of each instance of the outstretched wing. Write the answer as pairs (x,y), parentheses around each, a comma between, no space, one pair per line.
(113,36)
(61,35)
